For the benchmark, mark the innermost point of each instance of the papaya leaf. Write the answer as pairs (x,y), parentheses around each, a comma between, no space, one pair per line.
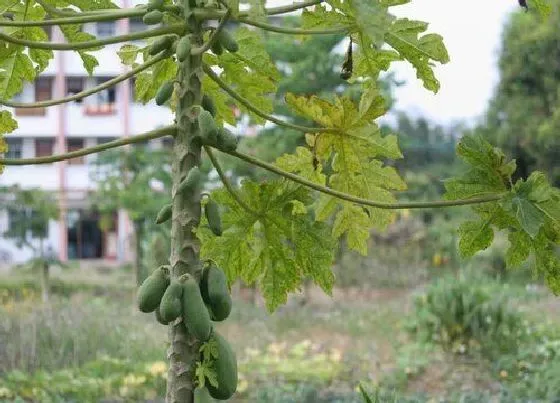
(270,245)
(149,81)
(519,249)
(475,236)
(128,54)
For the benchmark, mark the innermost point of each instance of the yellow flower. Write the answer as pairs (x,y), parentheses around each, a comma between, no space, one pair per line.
(503,374)
(5,393)
(242,386)
(276,348)
(132,380)
(158,368)
(335,355)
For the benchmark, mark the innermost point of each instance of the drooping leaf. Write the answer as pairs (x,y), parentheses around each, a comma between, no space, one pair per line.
(475,236)
(128,54)
(519,249)
(149,81)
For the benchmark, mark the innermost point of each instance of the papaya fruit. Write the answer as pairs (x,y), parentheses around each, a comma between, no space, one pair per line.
(159,318)
(201,395)
(165,213)
(155,5)
(215,293)
(208,128)
(152,17)
(164,93)
(208,104)
(227,141)
(152,289)
(195,314)
(191,181)
(170,305)
(227,41)
(183,48)
(217,48)
(225,366)
(161,44)
(212,212)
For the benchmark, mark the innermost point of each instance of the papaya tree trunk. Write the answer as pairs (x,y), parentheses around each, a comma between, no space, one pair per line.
(183,349)
(138,256)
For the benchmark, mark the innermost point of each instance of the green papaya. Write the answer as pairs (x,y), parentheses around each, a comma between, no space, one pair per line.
(201,395)
(164,93)
(226,370)
(165,213)
(227,141)
(155,5)
(216,48)
(208,128)
(208,104)
(227,41)
(215,293)
(195,314)
(212,212)
(183,48)
(159,318)
(170,305)
(191,181)
(152,17)
(152,289)
(161,44)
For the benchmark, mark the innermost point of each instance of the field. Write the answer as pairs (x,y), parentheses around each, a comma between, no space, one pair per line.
(89,343)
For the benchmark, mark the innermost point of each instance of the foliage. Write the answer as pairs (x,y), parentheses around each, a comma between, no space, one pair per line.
(468,313)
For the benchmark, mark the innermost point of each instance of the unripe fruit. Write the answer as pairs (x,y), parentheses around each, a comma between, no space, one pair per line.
(152,17)
(184,48)
(227,41)
(212,212)
(170,305)
(161,44)
(208,128)
(217,48)
(208,104)
(152,289)
(164,93)
(227,141)
(191,181)
(155,5)
(195,314)
(164,214)
(215,293)
(225,366)
(159,318)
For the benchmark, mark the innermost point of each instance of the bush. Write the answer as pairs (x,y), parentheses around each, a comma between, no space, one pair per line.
(468,312)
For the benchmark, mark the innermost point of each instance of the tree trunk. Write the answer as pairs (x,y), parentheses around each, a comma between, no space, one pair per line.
(138,235)
(183,350)
(45,280)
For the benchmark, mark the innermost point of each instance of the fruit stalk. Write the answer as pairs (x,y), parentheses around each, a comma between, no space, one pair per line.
(183,348)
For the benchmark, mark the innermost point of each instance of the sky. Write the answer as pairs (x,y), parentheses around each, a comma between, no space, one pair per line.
(471,32)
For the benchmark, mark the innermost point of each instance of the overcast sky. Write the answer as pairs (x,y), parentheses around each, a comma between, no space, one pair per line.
(472,32)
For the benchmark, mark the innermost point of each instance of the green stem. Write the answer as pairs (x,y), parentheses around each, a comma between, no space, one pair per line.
(232,93)
(154,134)
(88,92)
(214,36)
(76,19)
(227,183)
(175,28)
(358,200)
(294,31)
(214,14)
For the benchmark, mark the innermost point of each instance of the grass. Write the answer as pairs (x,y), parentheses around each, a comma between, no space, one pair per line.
(83,347)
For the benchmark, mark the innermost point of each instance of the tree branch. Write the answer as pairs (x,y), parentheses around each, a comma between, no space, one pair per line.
(76,19)
(358,200)
(227,183)
(88,92)
(214,14)
(214,36)
(232,93)
(175,28)
(295,31)
(154,134)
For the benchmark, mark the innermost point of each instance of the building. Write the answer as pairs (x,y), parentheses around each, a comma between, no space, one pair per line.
(97,119)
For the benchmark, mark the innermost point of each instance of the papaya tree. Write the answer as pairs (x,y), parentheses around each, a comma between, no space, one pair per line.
(279,232)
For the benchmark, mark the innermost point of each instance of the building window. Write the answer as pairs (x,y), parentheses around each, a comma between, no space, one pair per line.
(44,147)
(14,148)
(75,85)
(136,25)
(107,96)
(75,145)
(20,220)
(105,29)
(43,89)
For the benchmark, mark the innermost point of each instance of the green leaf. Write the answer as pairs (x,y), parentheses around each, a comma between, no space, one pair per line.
(14,70)
(7,123)
(128,54)
(221,101)
(270,244)
(250,71)
(547,261)
(519,249)
(301,163)
(527,214)
(475,236)
(543,7)
(74,33)
(149,81)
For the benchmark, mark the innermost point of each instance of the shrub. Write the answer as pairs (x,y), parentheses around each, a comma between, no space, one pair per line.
(468,312)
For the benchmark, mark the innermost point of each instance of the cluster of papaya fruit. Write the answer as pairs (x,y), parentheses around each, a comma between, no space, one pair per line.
(196,305)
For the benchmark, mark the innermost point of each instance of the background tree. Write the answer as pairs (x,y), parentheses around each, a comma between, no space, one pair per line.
(30,211)
(137,180)
(524,115)
(276,233)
